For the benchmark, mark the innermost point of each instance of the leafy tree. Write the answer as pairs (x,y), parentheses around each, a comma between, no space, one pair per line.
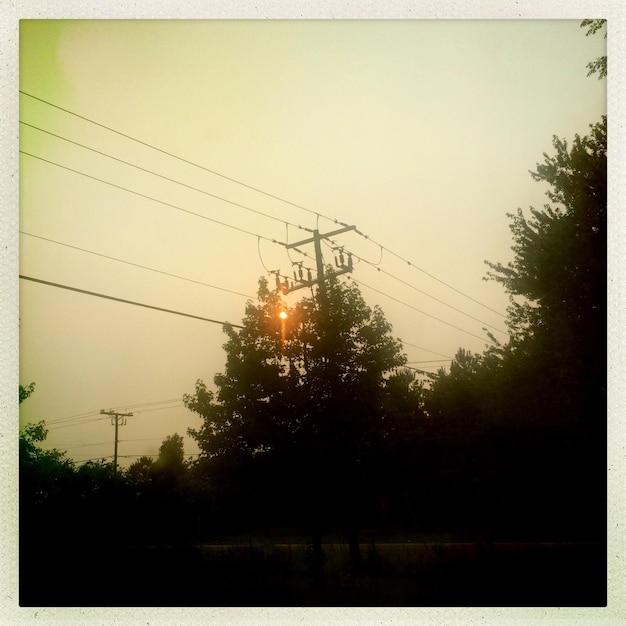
(557,279)
(26,391)
(552,384)
(599,65)
(170,464)
(301,411)
(140,471)
(41,471)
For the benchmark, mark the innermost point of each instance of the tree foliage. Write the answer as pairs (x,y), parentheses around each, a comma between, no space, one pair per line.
(303,404)
(598,66)
(26,391)
(558,274)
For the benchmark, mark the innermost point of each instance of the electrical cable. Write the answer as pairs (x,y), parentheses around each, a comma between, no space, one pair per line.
(238,182)
(382,271)
(412,345)
(417,267)
(97,412)
(71,417)
(174,156)
(172,180)
(78,423)
(147,306)
(430,361)
(142,195)
(159,408)
(144,267)
(467,332)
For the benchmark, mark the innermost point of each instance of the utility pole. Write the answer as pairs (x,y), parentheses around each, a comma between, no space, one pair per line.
(316,239)
(343,267)
(117,420)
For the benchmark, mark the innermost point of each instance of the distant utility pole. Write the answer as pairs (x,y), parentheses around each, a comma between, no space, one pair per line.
(117,420)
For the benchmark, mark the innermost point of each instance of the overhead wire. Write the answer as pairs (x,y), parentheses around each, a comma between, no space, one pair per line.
(78,423)
(404,282)
(144,267)
(165,408)
(259,237)
(142,195)
(172,180)
(265,193)
(115,299)
(467,332)
(407,304)
(412,345)
(97,412)
(170,154)
(141,404)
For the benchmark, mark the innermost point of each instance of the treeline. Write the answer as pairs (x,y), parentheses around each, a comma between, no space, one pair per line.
(316,428)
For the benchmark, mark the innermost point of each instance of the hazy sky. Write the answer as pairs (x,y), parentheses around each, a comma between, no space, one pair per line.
(420,133)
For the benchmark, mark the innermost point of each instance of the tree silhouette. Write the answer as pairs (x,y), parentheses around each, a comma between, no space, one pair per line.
(599,65)
(552,383)
(301,411)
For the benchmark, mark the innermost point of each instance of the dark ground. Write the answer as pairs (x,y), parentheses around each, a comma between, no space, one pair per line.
(273,573)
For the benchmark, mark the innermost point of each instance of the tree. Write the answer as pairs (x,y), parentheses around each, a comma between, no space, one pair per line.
(298,416)
(140,472)
(26,391)
(599,65)
(559,269)
(552,383)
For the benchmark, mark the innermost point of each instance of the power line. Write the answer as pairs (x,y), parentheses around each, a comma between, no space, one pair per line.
(430,361)
(147,306)
(97,412)
(265,193)
(382,271)
(135,406)
(417,267)
(412,345)
(171,180)
(160,408)
(70,417)
(143,195)
(174,156)
(467,332)
(408,285)
(144,267)
(82,445)
(77,423)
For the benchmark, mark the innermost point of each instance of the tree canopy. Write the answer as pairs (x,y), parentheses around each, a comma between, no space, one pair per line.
(302,405)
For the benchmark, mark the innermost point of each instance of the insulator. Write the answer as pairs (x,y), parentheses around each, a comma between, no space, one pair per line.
(278,285)
(300,274)
(349,260)
(309,276)
(341,257)
(294,275)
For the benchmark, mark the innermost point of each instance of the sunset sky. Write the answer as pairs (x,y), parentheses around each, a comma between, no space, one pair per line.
(163,162)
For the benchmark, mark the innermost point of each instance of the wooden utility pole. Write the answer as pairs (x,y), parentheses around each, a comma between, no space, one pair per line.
(316,239)
(117,420)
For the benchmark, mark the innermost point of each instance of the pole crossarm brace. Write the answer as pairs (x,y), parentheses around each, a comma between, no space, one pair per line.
(324,236)
(316,239)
